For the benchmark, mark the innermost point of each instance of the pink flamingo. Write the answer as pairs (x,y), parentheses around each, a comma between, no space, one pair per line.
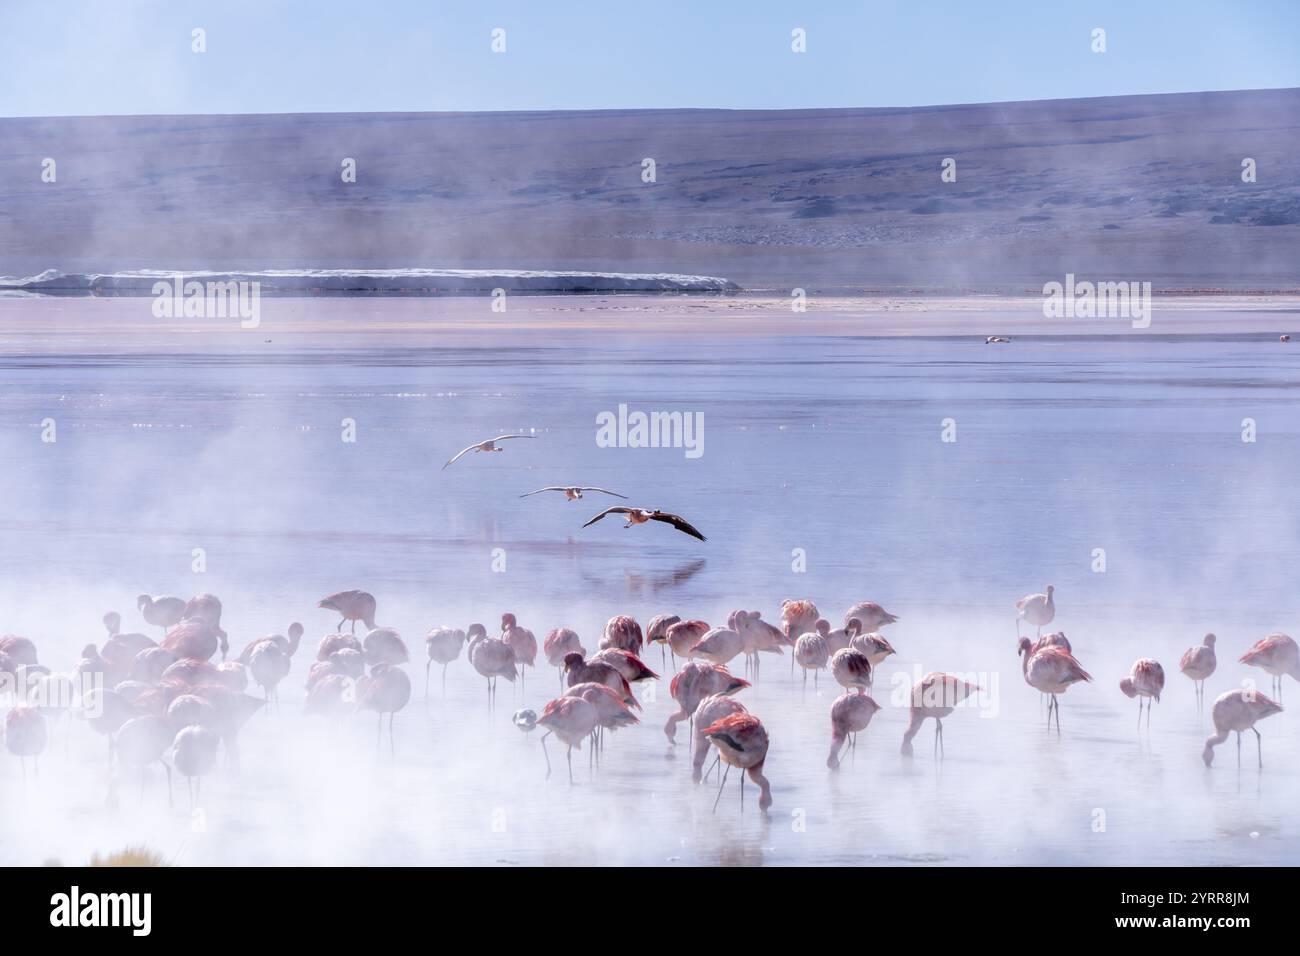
(492,658)
(572,719)
(684,635)
(797,618)
(935,695)
(383,645)
(443,645)
(332,643)
(521,641)
(26,736)
(1278,655)
(626,663)
(742,743)
(610,710)
(850,715)
(599,672)
(656,632)
(1038,610)
(842,637)
(1145,680)
(875,647)
(163,611)
(1198,663)
(694,682)
(812,651)
(852,669)
(720,646)
(711,710)
(622,632)
(141,741)
(1051,671)
(352,606)
(559,644)
(193,637)
(869,615)
(1238,710)
(386,691)
(207,608)
(757,637)
(193,753)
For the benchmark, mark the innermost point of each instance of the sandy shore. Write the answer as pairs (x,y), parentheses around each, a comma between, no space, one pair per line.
(56,325)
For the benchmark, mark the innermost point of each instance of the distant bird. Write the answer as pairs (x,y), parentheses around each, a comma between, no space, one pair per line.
(656,632)
(1050,671)
(492,658)
(1238,710)
(443,645)
(489,445)
(383,645)
(623,632)
(850,714)
(798,618)
(353,606)
(851,669)
(330,644)
(521,641)
(995,340)
(742,743)
(207,608)
(572,719)
(684,635)
(163,611)
(1284,338)
(1278,655)
(193,754)
(711,710)
(559,644)
(1198,663)
(870,615)
(26,735)
(386,691)
(719,646)
(268,663)
(571,492)
(641,516)
(694,682)
(1145,680)
(1036,609)
(287,644)
(935,695)
(812,651)
(757,637)
(875,647)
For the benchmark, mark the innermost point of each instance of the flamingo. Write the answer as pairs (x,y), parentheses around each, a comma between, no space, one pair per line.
(611,712)
(287,644)
(163,611)
(1038,610)
(935,695)
(850,714)
(572,719)
(851,669)
(711,709)
(492,658)
(875,647)
(330,644)
(443,645)
(742,742)
(626,663)
(1278,655)
(234,675)
(26,736)
(812,651)
(656,632)
(636,516)
(559,644)
(842,637)
(684,635)
(150,664)
(599,672)
(193,753)
(798,618)
(1051,671)
(141,741)
(104,712)
(352,606)
(1198,663)
(207,608)
(383,645)
(869,615)
(193,637)
(1146,679)
(622,632)
(120,649)
(571,492)
(489,445)
(386,691)
(757,637)
(345,662)
(521,641)
(269,664)
(694,682)
(1238,710)
(332,695)
(719,646)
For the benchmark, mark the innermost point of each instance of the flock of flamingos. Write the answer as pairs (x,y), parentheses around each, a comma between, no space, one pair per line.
(167,702)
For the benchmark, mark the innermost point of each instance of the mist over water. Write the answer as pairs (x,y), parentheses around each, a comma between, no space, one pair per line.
(826,444)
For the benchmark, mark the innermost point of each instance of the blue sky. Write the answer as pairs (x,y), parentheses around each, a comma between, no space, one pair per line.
(98,57)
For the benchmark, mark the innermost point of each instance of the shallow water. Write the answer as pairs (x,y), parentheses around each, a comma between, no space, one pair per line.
(830,445)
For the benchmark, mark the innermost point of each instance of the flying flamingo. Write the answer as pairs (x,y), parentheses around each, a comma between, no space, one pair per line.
(935,695)
(489,445)
(443,645)
(869,615)
(193,753)
(1278,655)
(1145,680)
(1038,610)
(850,714)
(622,632)
(1238,710)
(710,711)
(812,651)
(851,669)
(559,644)
(694,682)
(742,742)
(571,492)
(521,641)
(719,646)
(163,611)
(656,632)
(26,736)
(386,691)
(352,606)
(1051,671)
(492,658)
(572,719)
(1199,663)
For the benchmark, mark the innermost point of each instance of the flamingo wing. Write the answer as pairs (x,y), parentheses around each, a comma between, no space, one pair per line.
(540,490)
(678,522)
(617,510)
(604,491)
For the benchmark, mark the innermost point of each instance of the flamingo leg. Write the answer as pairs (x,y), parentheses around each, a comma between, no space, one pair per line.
(1259,747)
(569,757)
(546,755)
(720,786)
(426,679)
(1239,750)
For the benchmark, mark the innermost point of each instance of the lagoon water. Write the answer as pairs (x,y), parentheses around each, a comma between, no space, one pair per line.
(1112,467)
